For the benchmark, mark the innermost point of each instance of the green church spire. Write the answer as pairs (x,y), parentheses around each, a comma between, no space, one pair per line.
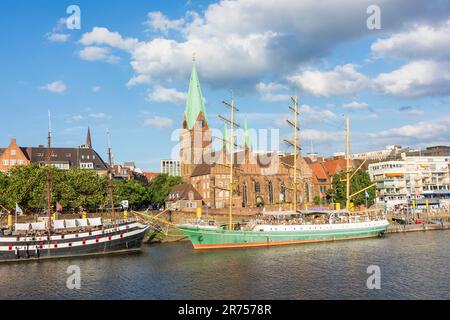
(247,141)
(195,103)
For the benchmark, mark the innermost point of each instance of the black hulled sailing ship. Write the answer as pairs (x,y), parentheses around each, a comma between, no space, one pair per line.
(74,237)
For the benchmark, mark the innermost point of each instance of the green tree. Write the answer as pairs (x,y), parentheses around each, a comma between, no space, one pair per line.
(160,188)
(84,188)
(358,182)
(136,192)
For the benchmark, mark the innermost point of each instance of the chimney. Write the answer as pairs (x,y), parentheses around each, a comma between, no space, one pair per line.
(13,141)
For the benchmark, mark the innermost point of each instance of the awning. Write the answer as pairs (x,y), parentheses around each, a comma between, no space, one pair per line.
(39,226)
(82,222)
(95,222)
(22,226)
(58,224)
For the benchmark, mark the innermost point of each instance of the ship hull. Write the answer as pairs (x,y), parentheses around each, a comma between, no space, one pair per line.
(203,238)
(117,241)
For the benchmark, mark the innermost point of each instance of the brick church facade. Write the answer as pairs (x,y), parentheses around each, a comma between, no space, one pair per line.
(260,178)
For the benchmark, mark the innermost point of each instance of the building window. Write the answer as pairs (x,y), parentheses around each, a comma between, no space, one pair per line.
(244,194)
(13,152)
(257,187)
(270,186)
(282,193)
(5,162)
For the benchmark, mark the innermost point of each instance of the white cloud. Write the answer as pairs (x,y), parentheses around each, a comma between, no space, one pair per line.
(102,36)
(355,105)
(161,94)
(99,116)
(415,79)
(422,42)
(55,87)
(58,37)
(57,34)
(96,89)
(273,92)
(322,137)
(316,114)
(98,54)
(139,79)
(411,111)
(159,122)
(159,22)
(253,38)
(343,80)
(92,116)
(436,130)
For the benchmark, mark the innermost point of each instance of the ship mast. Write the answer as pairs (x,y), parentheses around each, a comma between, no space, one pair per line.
(294,144)
(347,156)
(49,175)
(110,179)
(232,144)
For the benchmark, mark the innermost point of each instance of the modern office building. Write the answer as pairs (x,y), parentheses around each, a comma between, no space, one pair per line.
(171,167)
(412,178)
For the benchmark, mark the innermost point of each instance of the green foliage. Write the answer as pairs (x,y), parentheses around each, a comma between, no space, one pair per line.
(82,188)
(160,188)
(75,188)
(359,181)
(137,193)
(317,200)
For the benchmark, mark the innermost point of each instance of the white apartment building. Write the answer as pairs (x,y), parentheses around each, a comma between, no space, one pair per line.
(379,154)
(419,178)
(171,167)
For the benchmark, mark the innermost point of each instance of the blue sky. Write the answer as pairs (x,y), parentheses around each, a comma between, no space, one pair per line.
(127,69)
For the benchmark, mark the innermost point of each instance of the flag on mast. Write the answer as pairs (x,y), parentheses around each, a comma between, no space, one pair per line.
(19,211)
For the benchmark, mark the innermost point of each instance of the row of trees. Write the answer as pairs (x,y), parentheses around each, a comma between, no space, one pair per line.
(76,188)
(337,192)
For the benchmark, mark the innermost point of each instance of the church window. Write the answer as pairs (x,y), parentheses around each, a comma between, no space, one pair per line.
(244,195)
(270,192)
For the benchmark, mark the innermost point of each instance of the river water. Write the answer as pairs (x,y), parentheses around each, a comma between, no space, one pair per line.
(413,266)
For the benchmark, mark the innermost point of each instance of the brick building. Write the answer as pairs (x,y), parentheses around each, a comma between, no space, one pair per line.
(264,178)
(13,156)
(82,157)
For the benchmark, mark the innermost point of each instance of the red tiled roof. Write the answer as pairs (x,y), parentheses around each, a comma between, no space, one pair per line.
(335,165)
(150,175)
(319,172)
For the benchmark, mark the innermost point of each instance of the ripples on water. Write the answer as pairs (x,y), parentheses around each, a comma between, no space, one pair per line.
(413,266)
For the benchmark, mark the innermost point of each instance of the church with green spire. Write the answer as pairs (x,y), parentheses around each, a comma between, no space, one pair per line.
(259,182)
(195,139)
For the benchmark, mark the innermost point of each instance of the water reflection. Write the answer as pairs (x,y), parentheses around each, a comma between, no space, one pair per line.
(413,266)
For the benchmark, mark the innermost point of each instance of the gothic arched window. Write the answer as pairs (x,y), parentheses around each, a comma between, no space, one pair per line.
(282,193)
(244,194)
(270,187)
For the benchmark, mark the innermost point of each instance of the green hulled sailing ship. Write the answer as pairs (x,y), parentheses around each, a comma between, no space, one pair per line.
(288,227)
